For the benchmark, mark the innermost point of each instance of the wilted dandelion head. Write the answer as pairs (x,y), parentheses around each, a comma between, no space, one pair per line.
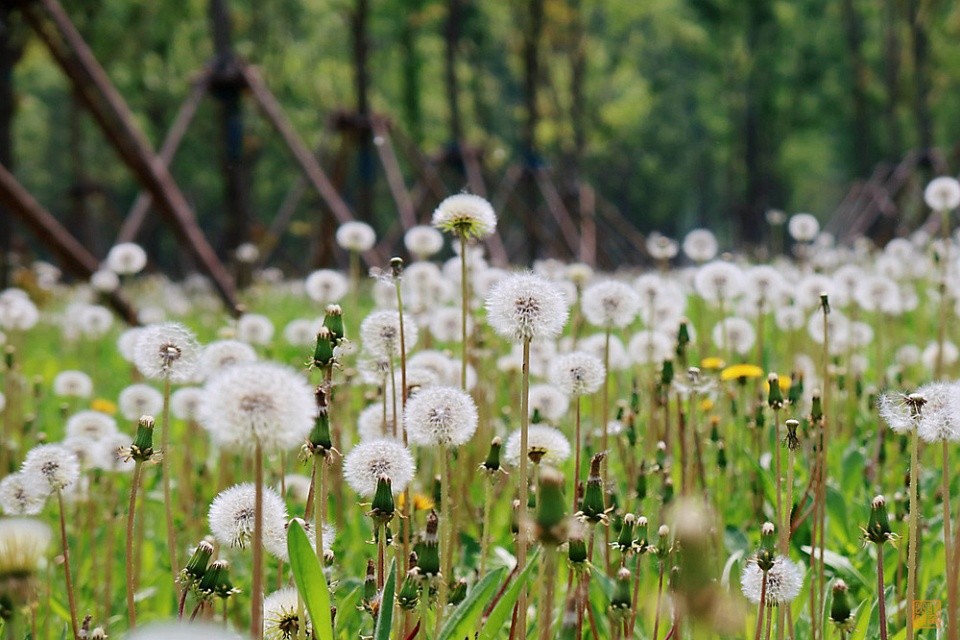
(221,354)
(53,466)
(526,307)
(91,424)
(610,304)
(545,445)
(22,495)
(254,328)
(577,373)
(281,617)
(126,258)
(784,581)
(356,236)
(73,384)
(185,403)
(369,461)
(465,215)
(380,333)
(942,194)
(444,416)
(803,227)
(551,402)
(423,241)
(700,245)
(138,400)
(232,515)
(167,350)
(259,402)
(326,286)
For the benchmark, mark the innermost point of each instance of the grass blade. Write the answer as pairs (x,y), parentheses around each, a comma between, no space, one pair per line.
(501,612)
(311,583)
(385,615)
(463,622)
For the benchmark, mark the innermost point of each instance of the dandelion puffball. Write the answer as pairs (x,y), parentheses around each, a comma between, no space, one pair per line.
(53,466)
(548,445)
(166,350)
(369,461)
(423,241)
(232,515)
(380,333)
(259,402)
(784,581)
(465,215)
(356,236)
(126,258)
(444,416)
(942,194)
(610,304)
(577,373)
(326,286)
(526,307)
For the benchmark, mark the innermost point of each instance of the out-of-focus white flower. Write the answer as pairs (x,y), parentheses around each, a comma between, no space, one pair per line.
(126,258)
(356,236)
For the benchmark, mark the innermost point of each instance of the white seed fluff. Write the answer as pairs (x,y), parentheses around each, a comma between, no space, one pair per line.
(465,214)
(232,515)
(526,307)
(22,495)
(53,466)
(167,350)
(610,304)
(442,416)
(221,354)
(542,440)
(368,461)
(577,373)
(942,194)
(126,258)
(140,400)
(91,424)
(326,286)
(73,384)
(784,581)
(380,333)
(355,236)
(281,618)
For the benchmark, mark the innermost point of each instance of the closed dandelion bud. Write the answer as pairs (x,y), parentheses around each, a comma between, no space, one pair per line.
(641,486)
(825,302)
(216,581)
(9,357)
(458,592)
(142,447)
(383,506)
(840,612)
(577,547)
(666,374)
(774,395)
(409,595)
(551,511)
(333,321)
(795,393)
(635,399)
(661,455)
(624,541)
(666,491)
(197,565)
(592,507)
(396,266)
(683,339)
(721,455)
(323,350)
(641,538)
(428,555)
(537,417)
(620,602)
(320,440)
(816,407)
(768,543)
(901,506)
(714,428)
(878,529)
(793,440)
(663,542)
(492,463)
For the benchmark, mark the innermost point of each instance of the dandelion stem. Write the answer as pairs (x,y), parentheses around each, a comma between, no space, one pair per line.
(66,569)
(881,594)
(464,301)
(485,534)
(256,595)
(949,551)
(446,570)
(381,533)
(318,493)
(912,539)
(130,564)
(524,461)
(656,617)
(548,578)
(576,449)
(167,499)
(762,606)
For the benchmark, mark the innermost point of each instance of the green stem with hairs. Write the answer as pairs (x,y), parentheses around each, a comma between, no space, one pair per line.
(524,462)
(165,472)
(130,564)
(71,599)
(256,595)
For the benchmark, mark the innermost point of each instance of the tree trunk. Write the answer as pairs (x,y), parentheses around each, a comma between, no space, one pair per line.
(918,13)
(11,48)
(862,142)
(891,78)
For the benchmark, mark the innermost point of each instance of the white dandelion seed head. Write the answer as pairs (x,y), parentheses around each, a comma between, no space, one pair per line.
(72,384)
(610,304)
(545,441)
(91,424)
(619,359)
(53,466)
(22,495)
(908,355)
(700,245)
(94,320)
(579,273)
(878,293)
(803,227)
(302,332)
(650,347)
(526,307)
(126,259)
(465,214)
(276,544)
(789,318)
(260,402)
(247,253)
(784,581)
(719,280)
(105,281)
(127,343)
(112,453)
(577,373)
(88,452)
(766,285)
(17,311)
(222,354)
(375,424)
(660,247)
(3,401)
(948,357)
(281,616)
(167,350)
(185,403)
(445,324)
(442,366)
(232,515)
(356,236)
(369,461)
(442,416)
(940,417)
(551,402)
(838,326)
(326,286)
(896,410)
(738,332)
(380,333)
(422,241)
(182,631)
(942,194)
(139,400)
(24,543)
(298,487)
(254,328)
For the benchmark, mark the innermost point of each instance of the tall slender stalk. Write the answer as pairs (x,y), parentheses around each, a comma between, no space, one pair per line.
(71,599)
(524,461)
(881,595)
(129,564)
(167,499)
(485,534)
(464,309)
(762,606)
(547,582)
(318,500)
(914,520)
(446,527)
(949,550)
(256,588)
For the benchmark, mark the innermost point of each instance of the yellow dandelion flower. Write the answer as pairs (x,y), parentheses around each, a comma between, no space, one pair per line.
(420,502)
(706,404)
(712,363)
(741,371)
(104,406)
